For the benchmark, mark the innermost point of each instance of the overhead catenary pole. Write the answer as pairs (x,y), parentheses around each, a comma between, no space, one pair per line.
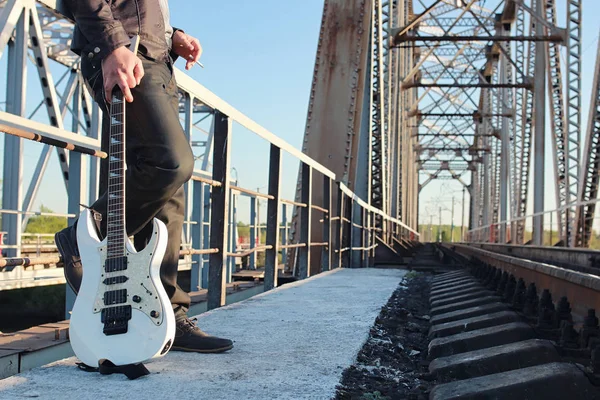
(431,238)
(440,227)
(452,222)
(462,224)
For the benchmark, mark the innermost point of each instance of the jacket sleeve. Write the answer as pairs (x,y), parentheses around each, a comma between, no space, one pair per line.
(172,53)
(95,20)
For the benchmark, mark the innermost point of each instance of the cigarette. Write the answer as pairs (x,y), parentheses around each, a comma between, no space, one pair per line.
(200,64)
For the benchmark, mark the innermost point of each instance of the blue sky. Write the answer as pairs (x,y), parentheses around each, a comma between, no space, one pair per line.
(259,57)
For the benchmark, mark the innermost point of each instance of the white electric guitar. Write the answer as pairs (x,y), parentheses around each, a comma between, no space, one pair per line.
(122,313)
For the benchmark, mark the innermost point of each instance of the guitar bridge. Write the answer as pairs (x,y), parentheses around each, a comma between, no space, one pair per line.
(115,320)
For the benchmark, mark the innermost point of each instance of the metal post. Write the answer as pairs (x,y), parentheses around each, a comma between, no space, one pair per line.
(253,230)
(431,238)
(452,223)
(273,218)
(206,218)
(440,227)
(372,240)
(486,169)
(550,241)
(505,149)
(258,226)
(12,191)
(347,262)
(340,229)
(188,127)
(305,221)
(540,126)
(197,233)
(219,211)
(462,224)
(356,242)
(326,253)
(231,240)
(284,234)
(364,242)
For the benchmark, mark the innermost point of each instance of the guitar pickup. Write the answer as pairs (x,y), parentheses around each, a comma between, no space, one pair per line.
(115,280)
(115,264)
(115,297)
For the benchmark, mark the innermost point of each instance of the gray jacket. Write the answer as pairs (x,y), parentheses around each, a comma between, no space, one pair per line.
(101,26)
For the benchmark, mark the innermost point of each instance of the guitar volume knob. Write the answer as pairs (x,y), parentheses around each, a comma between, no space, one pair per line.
(136,299)
(154,314)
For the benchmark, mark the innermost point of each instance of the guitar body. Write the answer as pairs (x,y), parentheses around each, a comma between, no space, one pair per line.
(146,337)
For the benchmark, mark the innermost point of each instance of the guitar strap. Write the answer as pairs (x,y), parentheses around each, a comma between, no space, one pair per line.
(97,219)
(131,371)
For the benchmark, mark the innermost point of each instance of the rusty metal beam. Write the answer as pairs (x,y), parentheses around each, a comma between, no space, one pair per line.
(556,38)
(336,100)
(470,85)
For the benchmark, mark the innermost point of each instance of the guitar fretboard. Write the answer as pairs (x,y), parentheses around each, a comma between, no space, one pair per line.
(115,228)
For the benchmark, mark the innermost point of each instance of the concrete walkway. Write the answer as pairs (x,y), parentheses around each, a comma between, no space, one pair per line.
(291,343)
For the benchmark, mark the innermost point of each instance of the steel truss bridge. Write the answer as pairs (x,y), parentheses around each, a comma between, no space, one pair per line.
(404,92)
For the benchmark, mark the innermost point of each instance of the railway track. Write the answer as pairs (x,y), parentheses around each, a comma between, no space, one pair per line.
(509,328)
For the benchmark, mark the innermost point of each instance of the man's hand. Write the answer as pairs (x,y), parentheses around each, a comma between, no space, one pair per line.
(188,47)
(122,68)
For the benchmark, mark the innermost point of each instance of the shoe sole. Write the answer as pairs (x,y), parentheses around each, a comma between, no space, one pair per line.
(221,350)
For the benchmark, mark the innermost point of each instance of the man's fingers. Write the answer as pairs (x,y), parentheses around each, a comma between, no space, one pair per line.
(187,43)
(126,93)
(138,72)
(108,93)
(197,49)
(130,80)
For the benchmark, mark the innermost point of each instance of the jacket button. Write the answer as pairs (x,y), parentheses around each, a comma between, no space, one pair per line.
(97,50)
(90,55)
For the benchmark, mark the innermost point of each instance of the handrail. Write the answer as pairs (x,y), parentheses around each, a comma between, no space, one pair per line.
(23,127)
(372,209)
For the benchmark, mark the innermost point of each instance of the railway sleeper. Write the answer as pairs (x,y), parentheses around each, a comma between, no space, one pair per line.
(493,336)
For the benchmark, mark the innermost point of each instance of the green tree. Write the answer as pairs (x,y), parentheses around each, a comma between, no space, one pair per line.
(243,230)
(45,223)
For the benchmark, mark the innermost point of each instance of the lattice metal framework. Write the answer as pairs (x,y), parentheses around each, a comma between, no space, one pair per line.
(590,171)
(379,112)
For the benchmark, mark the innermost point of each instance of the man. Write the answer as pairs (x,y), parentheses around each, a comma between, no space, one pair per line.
(159,157)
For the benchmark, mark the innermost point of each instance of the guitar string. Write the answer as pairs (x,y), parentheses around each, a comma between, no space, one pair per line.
(114,151)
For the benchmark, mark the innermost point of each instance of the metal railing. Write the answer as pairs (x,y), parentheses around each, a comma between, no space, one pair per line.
(349,226)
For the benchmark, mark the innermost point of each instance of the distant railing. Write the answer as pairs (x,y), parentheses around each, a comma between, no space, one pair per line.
(490,233)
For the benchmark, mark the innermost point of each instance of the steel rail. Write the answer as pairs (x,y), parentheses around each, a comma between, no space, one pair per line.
(581,289)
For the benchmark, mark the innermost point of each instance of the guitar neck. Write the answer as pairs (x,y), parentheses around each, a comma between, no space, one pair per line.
(115,232)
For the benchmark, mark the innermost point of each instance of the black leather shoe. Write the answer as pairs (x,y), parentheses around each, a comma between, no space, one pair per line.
(188,337)
(66,242)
